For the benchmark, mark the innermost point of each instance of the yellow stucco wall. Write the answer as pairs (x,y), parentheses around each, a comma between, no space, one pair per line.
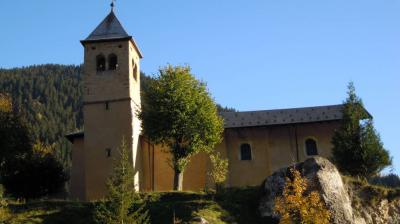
(77,180)
(273,147)
(158,174)
(104,129)
(106,126)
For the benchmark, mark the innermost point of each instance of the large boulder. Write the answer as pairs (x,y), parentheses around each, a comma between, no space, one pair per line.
(338,196)
(323,176)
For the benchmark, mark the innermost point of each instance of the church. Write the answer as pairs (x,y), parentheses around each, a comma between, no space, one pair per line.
(256,143)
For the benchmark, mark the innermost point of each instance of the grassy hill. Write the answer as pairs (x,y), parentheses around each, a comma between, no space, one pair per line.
(230,206)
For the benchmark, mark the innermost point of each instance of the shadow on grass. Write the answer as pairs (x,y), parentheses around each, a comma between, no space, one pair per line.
(163,207)
(242,204)
(50,212)
(232,205)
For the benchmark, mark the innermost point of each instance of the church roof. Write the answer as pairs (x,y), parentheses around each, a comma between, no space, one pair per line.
(282,116)
(109,29)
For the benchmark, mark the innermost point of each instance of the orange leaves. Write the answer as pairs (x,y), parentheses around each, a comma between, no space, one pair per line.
(5,103)
(297,206)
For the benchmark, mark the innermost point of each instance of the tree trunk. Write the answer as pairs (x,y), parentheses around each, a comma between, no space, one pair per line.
(178,180)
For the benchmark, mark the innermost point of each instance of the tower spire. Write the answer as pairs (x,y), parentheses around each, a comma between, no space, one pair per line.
(112,5)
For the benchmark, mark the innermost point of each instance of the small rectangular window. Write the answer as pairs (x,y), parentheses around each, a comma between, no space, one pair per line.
(108,152)
(107,106)
(245,152)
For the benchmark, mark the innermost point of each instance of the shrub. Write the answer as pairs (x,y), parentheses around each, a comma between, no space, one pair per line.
(297,206)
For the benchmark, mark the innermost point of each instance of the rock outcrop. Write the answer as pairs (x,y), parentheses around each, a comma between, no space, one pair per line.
(323,176)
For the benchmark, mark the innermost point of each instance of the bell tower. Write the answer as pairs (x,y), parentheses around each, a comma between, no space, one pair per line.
(111,99)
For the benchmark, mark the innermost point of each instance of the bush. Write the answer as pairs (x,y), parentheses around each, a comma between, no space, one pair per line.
(297,206)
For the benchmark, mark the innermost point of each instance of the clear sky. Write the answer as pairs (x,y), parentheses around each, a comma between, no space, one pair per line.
(254,55)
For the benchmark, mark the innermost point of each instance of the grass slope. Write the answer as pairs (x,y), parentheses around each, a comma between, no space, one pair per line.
(229,206)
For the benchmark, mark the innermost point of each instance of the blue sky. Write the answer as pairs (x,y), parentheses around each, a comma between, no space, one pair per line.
(253,54)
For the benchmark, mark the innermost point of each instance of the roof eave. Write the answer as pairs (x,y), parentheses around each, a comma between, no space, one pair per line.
(88,41)
(73,136)
(281,124)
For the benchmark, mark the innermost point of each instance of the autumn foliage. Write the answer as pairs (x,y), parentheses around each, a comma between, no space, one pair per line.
(297,205)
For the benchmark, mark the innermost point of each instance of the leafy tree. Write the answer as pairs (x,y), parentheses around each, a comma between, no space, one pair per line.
(219,170)
(178,112)
(297,206)
(357,148)
(116,208)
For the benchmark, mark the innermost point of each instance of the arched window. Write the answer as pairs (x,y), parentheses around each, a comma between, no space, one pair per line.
(245,152)
(112,62)
(311,147)
(100,62)
(134,69)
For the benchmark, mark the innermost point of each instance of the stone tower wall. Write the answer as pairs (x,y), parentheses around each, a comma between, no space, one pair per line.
(111,101)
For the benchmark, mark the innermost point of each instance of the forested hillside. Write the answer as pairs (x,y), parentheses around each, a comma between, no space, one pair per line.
(50,98)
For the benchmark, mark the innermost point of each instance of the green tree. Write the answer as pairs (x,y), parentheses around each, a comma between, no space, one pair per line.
(179,113)
(117,206)
(357,148)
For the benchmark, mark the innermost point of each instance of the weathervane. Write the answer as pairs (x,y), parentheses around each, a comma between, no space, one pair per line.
(112,5)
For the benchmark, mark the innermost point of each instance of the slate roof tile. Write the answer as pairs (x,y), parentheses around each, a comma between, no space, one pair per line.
(282,116)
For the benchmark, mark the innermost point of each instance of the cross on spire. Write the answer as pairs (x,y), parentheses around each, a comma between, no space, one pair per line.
(112,5)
